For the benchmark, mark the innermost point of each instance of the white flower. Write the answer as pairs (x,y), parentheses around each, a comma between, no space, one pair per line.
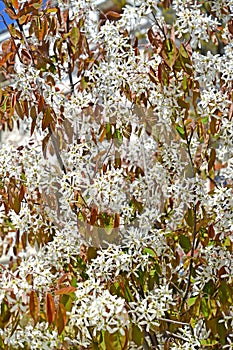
(147,311)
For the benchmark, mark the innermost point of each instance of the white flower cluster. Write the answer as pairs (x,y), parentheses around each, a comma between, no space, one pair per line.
(36,337)
(217,7)
(215,259)
(187,341)
(147,311)
(114,261)
(221,204)
(191,21)
(97,310)
(213,101)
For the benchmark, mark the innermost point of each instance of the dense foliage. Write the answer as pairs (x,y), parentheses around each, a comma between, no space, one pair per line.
(117,206)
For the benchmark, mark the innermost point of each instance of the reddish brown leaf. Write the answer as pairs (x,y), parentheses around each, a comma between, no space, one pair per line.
(13,100)
(33,113)
(116,220)
(113,15)
(15,4)
(50,308)
(94,214)
(45,144)
(34,305)
(65,290)
(33,125)
(221,271)
(160,72)
(212,159)
(211,231)
(26,54)
(25,107)
(5,58)
(152,78)
(152,38)
(47,118)
(230,26)
(24,240)
(61,319)
(19,110)
(63,278)
(41,104)
(213,123)
(11,13)
(50,80)
(16,204)
(103,134)
(21,193)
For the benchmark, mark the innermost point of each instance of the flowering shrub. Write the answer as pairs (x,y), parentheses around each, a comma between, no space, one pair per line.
(116,207)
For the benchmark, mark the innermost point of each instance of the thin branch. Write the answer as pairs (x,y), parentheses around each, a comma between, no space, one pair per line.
(154,341)
(161,28)
(178,289)
(69,55)
(106,156)
(194,235)
(173,321)
(192,254)
(57,152)
(175,336)
(145,345)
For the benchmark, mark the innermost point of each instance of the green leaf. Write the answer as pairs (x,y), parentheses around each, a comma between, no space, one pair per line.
(52,9)
(169,52)
(36,5)
(225,292)
(205,308)
(115,289)
(222,332)
(185,60)
(91,253)
(108,131)
(180,131)
(150,252)
(117,138)
(185,83)
(116,341)
(158,269)
(196,306)
(205,120)
(209,343)
(75,36)
(5,315)
(209,288)
(137,335)
(189,217)
(52,68)
(191,301)
(152,279)
(185,243)
(127,293)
